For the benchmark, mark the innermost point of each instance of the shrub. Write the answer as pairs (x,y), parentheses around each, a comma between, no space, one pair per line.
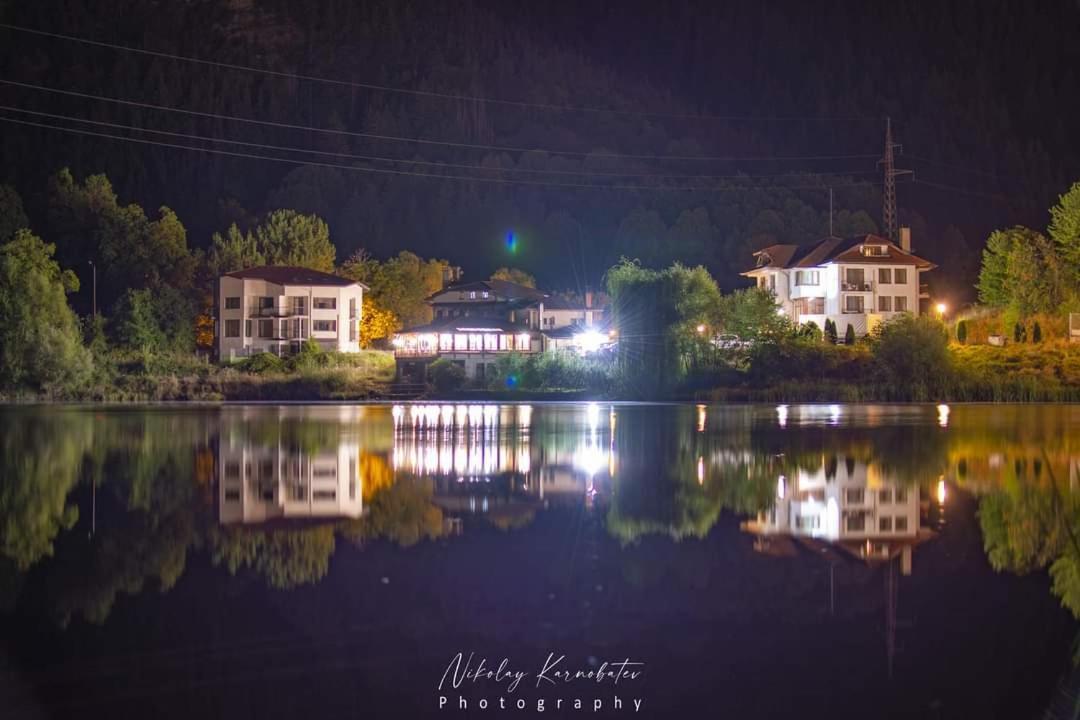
(830,331)
(810,331)
(310,357)
(849,335)
(961,332)
(1019,333)
(263,363)
(913,354)
(446,375)
(1036,332)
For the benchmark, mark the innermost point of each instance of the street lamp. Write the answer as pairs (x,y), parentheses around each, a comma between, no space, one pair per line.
(700,329)
(941,308)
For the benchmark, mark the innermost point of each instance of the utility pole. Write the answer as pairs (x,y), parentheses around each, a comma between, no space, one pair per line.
(888,199)
(830,214)
(94,285)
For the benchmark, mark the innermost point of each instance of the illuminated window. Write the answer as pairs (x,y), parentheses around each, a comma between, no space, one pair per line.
(505,342)
(461,341)
(491,341)
(446,342)
(472,294)
(476,342)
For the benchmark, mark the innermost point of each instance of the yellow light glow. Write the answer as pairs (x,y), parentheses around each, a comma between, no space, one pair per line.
(701,328)
(943,415)
(701,417)
(941,308)
(701,470)
(941,491)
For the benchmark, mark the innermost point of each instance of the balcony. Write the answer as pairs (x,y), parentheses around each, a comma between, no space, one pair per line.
(857,287)
(281,312)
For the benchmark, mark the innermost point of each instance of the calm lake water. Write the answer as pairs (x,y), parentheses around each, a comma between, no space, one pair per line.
(331,561)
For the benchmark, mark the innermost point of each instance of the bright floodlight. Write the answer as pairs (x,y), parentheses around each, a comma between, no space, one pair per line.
(701,328)
(590,340)
(941,308)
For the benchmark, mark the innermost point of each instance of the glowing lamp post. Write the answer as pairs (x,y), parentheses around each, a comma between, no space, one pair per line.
(941,309)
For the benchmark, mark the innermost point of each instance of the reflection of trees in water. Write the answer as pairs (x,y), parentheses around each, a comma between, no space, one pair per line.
(40,459)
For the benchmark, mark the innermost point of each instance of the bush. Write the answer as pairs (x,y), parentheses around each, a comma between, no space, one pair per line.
(961,332)
(830,331)
(810,331)
(913,354)
(1036,332)
(849,335)
(1019,333)
(446,375)
(310,357)
(263,363)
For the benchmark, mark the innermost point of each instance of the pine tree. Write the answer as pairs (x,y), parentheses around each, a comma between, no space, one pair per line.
(849,335)
(961,332)
(1019,334)
(830,331)
(1036,332)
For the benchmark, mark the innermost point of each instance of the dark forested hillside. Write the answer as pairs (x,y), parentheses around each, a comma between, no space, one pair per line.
(790,97)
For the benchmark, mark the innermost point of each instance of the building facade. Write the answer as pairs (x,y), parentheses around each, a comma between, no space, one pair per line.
(276,309)
(858,282)
(475,323)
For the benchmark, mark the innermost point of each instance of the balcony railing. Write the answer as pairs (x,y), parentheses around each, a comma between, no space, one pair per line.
(281,312)
(857,287)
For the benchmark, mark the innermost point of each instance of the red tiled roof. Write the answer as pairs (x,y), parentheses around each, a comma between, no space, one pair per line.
(835,249)
(291,275)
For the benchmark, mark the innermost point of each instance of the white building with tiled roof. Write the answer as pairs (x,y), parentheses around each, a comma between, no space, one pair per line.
(276,308)
(858,281)
(475,323)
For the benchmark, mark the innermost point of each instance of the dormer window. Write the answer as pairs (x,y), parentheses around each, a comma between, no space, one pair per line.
(875,250)
(486,294)
(472,294)
(763,259)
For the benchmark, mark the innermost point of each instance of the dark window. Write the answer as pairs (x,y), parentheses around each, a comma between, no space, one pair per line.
(232,328)
(232,303)
(325,303)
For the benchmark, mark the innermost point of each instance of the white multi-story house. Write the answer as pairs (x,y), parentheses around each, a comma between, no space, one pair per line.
(276,308)
(477,322)
(858,281)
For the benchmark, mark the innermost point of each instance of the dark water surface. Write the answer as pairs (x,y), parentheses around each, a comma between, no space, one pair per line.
(331,561)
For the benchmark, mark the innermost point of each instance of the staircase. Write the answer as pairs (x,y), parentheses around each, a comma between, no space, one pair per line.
(404,391)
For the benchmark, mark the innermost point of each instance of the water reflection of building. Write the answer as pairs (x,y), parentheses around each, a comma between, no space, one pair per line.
(487,459)
(259,483)
(855,508)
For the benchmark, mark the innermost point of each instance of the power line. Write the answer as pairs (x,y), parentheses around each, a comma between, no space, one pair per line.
(407,161)
(387,171)
(962,168)
(420,93)
(421,141)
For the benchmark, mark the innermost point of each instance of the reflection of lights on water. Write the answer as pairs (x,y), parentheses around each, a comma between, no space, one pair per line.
(781,487)
(781,415)
(701,416)
(525,416)
(943,415)
(397,412)
(941,491)
(592,412)
(701,470)
(834,414)
(590,459)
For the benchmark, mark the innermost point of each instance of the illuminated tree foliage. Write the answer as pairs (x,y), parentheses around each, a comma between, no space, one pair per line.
(376,323)
(287,237)
(284,558)
(515,276)
(1065,227)
(40,338)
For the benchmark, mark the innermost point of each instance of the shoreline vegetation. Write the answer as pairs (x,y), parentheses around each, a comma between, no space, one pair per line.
(678,336)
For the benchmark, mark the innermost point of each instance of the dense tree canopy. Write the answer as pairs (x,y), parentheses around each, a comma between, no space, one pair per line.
(40,339)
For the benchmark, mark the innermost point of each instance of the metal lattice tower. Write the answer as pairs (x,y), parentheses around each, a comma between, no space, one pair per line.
(888,201)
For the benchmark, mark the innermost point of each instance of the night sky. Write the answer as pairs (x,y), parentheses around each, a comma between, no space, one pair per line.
(591,130)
